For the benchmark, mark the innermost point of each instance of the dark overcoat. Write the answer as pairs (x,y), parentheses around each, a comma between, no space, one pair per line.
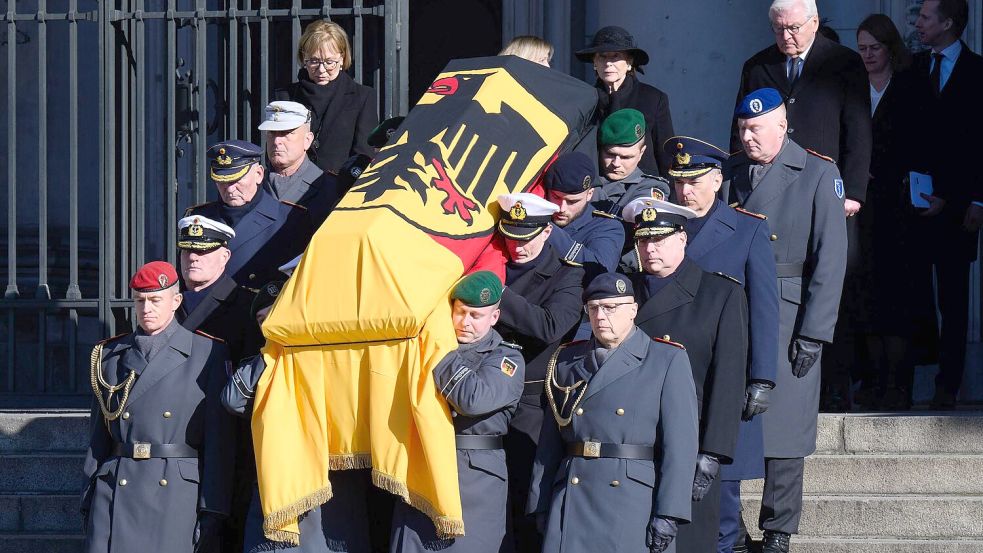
(594,238)
(317,191)
(224,312)
(654,105)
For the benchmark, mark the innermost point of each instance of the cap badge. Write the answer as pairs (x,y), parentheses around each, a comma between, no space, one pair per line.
(162,280)
(196,230)
(223,159)
(756,105)
(517,213)
(649,214)
(657,194)
(683,158)
(620,285)
(485,295)
(586,183)
(638,131)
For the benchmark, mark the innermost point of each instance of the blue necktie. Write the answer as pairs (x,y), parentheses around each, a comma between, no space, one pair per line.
(794,70)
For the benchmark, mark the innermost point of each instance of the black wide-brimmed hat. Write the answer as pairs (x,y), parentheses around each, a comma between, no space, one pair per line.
(614,39)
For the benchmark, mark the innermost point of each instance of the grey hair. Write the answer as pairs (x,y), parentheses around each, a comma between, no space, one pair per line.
(783,5)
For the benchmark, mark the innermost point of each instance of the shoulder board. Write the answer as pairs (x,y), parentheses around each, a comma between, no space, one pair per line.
(735,152)
(512,345)
(206,335)
(111,338)
(751,213)
(669,342)
(820,156)
(570,263)
(291,204)
(599,213)
(574,343)
(196,206)
(728,277)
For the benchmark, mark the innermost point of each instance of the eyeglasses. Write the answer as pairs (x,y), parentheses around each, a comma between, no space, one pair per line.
(607,308)
(792,29)
(314,63)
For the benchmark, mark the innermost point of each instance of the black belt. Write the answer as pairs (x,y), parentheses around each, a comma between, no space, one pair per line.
(593,450)
(142,450)
(478,442)
(786,270)
(533,388)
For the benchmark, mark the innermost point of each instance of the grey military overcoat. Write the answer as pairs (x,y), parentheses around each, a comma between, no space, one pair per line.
(152,504)
(642,395)
(802,196)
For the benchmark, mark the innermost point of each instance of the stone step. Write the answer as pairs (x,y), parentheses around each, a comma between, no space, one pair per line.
(65,430)
(847,545)
(886,516)
(41,543)
(41,472)
(888,474)
(914,433)
(32,513)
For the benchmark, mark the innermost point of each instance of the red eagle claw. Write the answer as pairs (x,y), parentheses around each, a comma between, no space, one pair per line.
(455,201)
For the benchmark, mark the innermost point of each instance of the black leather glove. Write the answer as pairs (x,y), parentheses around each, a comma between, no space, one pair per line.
(805,353)
(707,467)
(757,399)
(208,533)
(659,534)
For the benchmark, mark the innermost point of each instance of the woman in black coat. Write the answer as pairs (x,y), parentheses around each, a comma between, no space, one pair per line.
(343,111)
(616,59)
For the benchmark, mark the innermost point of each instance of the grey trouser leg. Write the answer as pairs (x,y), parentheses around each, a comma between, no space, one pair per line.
(781,502)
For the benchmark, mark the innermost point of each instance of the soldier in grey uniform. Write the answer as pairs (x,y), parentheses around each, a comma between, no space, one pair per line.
(618,402)
(802,194)
(161,446)
(482,381)
(621,139)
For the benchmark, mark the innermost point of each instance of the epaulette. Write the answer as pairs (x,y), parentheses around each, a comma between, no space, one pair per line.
(111,338)
(512,345)
(600,213)
(666,340)
(207,335)
(196,206)
(751,213)
(291,204)
(821,156)
(728,277)
(570,263)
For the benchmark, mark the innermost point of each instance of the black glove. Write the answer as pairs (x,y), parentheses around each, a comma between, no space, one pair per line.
(757,400)
(659,534)
(208,533)
(707,467)
(805,353)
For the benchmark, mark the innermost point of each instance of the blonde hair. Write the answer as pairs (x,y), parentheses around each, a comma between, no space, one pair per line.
(528,47)
(320,33)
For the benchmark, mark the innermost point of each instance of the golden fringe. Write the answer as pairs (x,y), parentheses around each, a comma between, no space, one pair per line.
(350,461)
(273,523)
(446,527)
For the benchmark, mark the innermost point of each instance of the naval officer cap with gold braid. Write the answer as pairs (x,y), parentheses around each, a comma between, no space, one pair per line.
(230,160)
(524,215)
(656,217)
(200,234)
(692,157)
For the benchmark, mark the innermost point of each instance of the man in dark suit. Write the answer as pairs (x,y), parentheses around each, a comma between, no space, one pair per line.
(540,305)
(268,233)
(801,193)
(707,314)
(951,77)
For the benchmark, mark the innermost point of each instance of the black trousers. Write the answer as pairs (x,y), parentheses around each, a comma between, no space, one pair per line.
(781,501)
(953,303)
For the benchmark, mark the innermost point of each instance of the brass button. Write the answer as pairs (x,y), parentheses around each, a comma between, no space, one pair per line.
(615,483)
(126,415)
(619,412)
(122,482)
(666,338)
(774,237)
(252,276)
(163,481)
(575,480)
(167,414)
(580,410)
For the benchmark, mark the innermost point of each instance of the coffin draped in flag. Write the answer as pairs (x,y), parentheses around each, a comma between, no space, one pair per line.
(358,328)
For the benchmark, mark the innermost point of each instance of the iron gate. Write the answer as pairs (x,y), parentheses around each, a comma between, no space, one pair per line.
(110,107)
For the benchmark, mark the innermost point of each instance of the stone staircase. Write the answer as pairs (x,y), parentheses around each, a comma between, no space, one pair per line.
(882,483)
(41,457)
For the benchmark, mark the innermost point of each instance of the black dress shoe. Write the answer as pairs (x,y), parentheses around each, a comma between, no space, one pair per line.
(944,400)
(775,542)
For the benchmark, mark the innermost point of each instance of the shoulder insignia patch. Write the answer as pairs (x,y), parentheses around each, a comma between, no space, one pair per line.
(512,345)
(111,338)
(570,263)
(291,204)
(669,342)
(599,213)
(728,277)
(821,156)
(751,213)
(838,188)
(508,367)
(209,336)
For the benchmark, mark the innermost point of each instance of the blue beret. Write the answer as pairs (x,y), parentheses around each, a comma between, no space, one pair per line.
(692,157)
(758,102)
(230,160)
(572,173)
(608,285)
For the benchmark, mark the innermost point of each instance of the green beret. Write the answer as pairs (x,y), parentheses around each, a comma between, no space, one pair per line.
(622,128)
(479,289)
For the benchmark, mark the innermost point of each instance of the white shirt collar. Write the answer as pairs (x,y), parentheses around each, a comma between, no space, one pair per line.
(803,55)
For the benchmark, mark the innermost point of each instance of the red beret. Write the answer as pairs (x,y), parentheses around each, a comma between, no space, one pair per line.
(153,277)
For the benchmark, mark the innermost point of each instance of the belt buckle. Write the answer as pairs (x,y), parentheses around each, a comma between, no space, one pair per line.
(141,450)
(592,450)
